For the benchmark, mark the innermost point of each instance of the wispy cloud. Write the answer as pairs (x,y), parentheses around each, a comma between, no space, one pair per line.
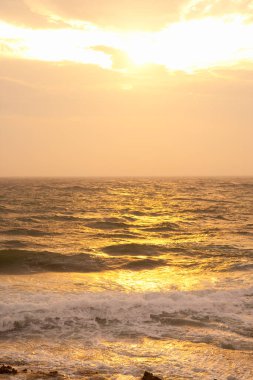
(203,8)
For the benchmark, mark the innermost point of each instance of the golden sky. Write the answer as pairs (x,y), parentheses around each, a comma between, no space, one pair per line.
(126,87)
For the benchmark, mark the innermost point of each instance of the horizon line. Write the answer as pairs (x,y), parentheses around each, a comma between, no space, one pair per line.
(128,176)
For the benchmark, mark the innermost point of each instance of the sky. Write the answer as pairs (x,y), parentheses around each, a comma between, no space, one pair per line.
(126,88)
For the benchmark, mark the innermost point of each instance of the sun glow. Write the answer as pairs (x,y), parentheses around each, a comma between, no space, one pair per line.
(186,45)
(194,44)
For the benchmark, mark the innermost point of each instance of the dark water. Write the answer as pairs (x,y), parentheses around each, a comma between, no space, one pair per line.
(96,263)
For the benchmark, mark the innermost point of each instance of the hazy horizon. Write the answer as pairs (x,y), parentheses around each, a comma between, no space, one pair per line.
(125,176)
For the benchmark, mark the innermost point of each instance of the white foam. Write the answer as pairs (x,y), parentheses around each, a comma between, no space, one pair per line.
(205,315)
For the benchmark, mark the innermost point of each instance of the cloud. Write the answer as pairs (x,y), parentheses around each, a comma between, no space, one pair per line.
(20,12)
(203,8)
(124,14)
(130,14)
(119,58)
(187,45)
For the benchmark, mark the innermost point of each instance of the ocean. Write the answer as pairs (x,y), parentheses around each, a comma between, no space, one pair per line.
(105,278)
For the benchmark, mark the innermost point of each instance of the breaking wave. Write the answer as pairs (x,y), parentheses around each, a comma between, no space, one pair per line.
(223,318)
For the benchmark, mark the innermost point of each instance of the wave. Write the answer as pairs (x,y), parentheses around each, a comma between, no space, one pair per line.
(141,264)
(108,224)
(28,232)
(6,210)
(225,250)
(16,257)
(116,234)
(14,244)
(136,212)
(204,200)
(244,233)
(23,261)
(205,210)
(82,189)
(223,318)
(135,249)
(67,218)
(240,267)
(28,219)
(162,227)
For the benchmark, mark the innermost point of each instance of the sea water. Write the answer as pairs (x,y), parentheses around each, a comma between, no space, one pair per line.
(107,278)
